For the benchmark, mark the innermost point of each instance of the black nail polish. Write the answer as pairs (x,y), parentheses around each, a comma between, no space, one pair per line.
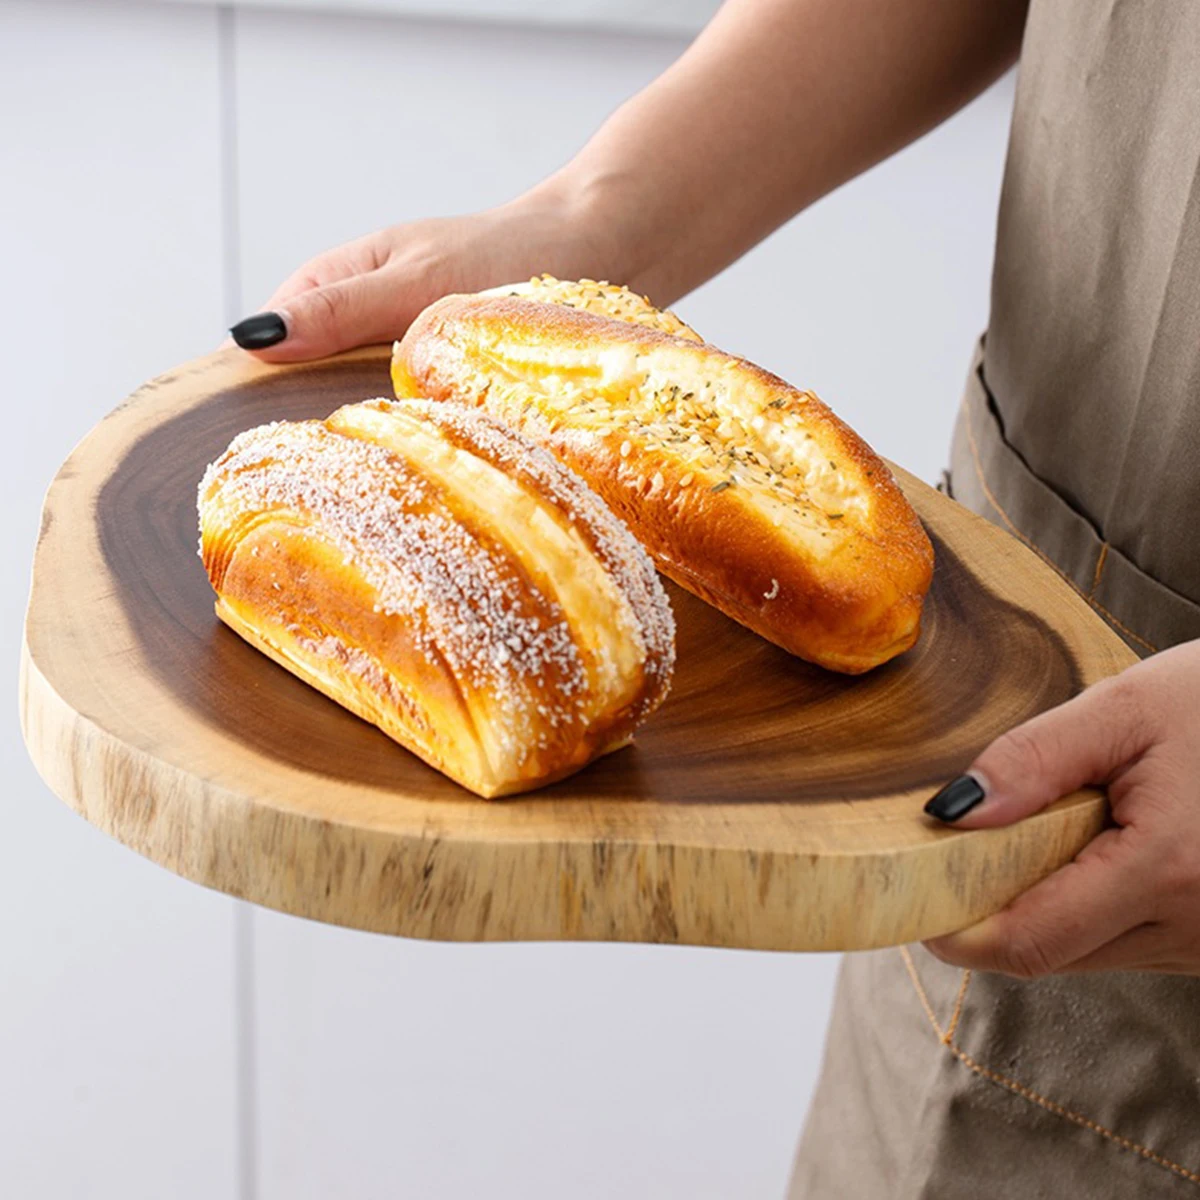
(956,799)
(259,331)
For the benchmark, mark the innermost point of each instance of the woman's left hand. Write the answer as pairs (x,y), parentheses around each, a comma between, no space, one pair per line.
(1131,899)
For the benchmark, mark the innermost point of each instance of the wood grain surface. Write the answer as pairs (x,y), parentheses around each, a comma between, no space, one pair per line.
(768,804)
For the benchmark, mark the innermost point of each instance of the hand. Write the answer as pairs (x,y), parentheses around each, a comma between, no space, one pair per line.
(370,289)
(1131,899)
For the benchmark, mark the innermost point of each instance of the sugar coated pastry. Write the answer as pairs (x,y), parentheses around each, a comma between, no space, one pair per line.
(442,577)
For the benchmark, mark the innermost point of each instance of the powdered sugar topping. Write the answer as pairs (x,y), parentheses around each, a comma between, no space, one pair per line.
(462,598)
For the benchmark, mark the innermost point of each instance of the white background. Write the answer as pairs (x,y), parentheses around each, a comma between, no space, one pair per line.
(663,16)
(163,166)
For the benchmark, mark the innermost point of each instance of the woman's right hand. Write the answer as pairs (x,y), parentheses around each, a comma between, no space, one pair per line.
(370,289)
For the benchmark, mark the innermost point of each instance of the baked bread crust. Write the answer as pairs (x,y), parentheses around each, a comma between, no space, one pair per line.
(745,490)
(433,572)
(600,297)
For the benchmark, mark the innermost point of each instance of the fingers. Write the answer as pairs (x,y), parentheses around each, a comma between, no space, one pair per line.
(1128,901)
(1066,918)
(1146,947)
(1087,740)
(359,257)
(375,307)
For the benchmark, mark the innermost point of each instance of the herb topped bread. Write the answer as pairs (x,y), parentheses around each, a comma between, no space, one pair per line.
(745,490)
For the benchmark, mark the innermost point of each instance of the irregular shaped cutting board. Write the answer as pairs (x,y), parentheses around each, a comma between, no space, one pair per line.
(768,804)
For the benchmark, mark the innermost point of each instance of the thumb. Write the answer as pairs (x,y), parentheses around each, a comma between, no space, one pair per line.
(376,306)
(1085,741)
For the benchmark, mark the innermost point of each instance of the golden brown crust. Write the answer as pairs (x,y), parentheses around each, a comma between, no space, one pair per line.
(434,573)
(748,492)
(600,297)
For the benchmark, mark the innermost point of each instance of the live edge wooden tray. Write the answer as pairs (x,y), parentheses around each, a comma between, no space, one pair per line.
(768,804)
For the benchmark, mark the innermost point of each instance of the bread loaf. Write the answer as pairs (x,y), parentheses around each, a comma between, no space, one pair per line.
(745,490)
(436,574)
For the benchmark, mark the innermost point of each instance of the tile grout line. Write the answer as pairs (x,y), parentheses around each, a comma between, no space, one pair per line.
(246,1052)
(245,1039)
(229,176)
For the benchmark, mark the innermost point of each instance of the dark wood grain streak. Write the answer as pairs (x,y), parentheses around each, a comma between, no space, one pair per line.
(775,728)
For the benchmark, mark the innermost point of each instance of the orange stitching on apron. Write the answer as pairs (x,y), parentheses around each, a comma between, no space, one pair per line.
(1141,641)
(1067,1115)
(946,1037)
(911,967)
(958,1005)
(991,499)
(1099,570)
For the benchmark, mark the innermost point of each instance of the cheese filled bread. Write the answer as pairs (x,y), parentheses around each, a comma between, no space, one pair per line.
(443,578)
(745,490)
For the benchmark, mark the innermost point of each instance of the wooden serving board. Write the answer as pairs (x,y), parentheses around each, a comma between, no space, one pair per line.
(767,804)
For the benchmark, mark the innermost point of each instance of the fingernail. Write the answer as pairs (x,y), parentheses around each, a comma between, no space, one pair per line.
(956,799)
(259,331)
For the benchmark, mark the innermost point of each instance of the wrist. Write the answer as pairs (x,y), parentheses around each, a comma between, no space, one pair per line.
(592,225)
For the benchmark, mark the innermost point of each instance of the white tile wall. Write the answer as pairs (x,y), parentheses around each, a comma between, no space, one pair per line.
(525,1072)
(116,1016)
(663,16)
(385,1068)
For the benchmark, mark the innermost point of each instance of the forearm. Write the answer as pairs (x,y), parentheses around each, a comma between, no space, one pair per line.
(777,103)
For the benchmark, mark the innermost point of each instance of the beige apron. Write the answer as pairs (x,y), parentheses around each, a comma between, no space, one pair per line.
(1080,434)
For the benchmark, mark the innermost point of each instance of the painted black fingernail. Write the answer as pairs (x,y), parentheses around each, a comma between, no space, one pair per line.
(956,799)
(259,331)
